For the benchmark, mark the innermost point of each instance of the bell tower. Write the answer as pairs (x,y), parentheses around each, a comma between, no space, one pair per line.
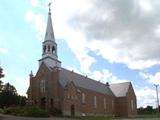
(49,46)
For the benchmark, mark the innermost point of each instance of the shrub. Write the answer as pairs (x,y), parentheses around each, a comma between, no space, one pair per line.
(56,112)
(13,110)
(35,112)
(1,110)
(26,111)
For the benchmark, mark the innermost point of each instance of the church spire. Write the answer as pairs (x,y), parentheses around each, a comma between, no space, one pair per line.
(49,46)
(49,30)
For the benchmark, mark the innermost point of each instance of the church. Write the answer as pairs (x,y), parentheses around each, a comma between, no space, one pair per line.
(54,87)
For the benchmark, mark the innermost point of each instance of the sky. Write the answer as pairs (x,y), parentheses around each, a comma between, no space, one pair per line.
(108,40)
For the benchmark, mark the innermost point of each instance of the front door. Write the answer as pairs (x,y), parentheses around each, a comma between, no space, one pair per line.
(43,102)
(72,110)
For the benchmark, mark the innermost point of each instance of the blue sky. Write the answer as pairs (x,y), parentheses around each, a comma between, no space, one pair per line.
(110,41)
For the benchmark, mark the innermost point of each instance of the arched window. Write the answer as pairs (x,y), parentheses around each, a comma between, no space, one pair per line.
(83,98)
(48,48)
(132,105)
(44,49)
(95,102)
(43,86)
(104,103)
(53,49)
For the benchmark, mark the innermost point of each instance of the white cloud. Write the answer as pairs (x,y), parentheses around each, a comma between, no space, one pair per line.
(145,5)
(3,50)
(154,79)
(38,23)
(145,96)
(105,76)
(123,37)
(21,85)
(29,16)
(37,3)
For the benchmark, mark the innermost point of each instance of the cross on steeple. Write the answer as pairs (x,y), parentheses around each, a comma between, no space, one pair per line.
(49,7)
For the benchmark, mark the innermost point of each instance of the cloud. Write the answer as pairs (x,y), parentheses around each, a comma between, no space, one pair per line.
(151,78)
(105,76)
(21,84)
(124,31)
(3,50)
(37,3)
(146,96)
(38,23)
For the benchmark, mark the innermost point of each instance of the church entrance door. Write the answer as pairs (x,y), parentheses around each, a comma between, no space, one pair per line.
(43,102)
(72,110)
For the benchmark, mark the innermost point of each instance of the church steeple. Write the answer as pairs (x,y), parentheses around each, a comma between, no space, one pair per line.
(49,46)
(49,30)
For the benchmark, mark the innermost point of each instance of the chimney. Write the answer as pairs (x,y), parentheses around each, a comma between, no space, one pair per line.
(107,84)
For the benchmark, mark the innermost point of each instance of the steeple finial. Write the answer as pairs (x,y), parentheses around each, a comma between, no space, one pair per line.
(49,7)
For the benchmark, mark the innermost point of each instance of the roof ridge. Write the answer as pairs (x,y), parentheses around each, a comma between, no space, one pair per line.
(88,78)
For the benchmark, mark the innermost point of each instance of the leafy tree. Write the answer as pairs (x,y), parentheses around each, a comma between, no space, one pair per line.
(1,76)
(147,110)
(8,95)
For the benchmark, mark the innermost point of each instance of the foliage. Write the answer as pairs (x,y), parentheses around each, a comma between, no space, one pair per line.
(9,97)
(56,112)
(1,76)
(35,112)
(13,110)
(147,110)
(26,111)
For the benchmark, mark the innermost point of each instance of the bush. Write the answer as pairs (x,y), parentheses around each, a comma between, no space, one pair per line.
(13,110)
(26,111)
(1,110)
(56,112)
(35,112)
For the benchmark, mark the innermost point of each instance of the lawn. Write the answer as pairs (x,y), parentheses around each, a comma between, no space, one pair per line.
(139,117)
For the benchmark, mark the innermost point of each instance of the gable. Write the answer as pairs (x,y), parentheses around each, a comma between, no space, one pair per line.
(120,89)
(43,68)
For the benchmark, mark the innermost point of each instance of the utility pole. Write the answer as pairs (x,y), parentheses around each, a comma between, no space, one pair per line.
(156,85)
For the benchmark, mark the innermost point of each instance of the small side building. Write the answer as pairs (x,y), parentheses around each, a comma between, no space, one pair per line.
(126,102)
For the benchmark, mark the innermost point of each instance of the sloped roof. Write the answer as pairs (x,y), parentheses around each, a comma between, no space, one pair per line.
(83,82)
(120,89)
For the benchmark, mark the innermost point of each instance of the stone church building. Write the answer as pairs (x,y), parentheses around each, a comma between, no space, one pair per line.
(54,87)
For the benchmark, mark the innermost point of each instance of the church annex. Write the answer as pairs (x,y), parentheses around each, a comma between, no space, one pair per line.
(54,87)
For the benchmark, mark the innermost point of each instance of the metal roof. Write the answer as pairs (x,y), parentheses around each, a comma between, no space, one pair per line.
(83,82)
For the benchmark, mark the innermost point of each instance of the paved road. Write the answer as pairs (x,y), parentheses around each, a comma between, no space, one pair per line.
(10,117)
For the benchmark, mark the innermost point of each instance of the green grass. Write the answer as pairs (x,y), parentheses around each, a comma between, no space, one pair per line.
(97,118)
(153,115)
(146,116)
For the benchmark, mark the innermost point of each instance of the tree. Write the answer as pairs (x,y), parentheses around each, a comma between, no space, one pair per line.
(1,76)
(8,96)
